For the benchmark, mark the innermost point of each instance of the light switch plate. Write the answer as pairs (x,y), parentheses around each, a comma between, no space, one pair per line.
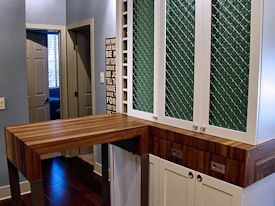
(2,103)
(102,77)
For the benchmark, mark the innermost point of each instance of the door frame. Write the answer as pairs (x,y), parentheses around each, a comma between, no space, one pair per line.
(70,43)
(62,62)
(70,53)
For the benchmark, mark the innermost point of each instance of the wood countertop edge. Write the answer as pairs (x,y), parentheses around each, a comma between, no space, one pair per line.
(258,160)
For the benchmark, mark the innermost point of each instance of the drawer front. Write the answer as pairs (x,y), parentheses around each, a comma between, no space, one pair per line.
(197,157)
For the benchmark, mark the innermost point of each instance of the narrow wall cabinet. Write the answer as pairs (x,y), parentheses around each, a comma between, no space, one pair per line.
(203,65)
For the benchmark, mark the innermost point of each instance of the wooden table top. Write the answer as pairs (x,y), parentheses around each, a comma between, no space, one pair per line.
(40,136)
(26,143)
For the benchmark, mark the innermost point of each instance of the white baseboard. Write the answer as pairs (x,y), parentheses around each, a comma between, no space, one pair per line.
(98,168)
(6,194)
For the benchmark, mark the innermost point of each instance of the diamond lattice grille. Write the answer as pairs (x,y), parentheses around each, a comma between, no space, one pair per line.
(143,55)
(230,52)
(180,47)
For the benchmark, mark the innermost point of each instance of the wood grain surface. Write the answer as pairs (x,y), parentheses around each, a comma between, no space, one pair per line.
(26,143)
(244,164)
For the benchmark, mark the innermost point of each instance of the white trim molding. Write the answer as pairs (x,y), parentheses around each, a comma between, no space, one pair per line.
(6,194)
(98,168)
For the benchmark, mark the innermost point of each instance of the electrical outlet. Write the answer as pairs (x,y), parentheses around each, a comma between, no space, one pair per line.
(177,153)
(2,103)
(217,167)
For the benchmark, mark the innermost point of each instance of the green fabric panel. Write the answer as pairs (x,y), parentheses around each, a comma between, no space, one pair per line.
(143,55)
(230,52)
(180,52)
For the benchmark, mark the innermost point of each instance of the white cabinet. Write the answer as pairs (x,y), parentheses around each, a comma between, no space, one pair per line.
(176,185)
(180,186)
(172,185)
(213,192)
(203,65)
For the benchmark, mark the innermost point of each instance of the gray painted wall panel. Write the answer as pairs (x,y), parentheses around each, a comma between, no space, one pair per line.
(13,73)
(51,12)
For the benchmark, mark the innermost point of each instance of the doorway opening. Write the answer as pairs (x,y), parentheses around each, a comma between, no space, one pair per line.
(43,66)
(81,75)
(80,56)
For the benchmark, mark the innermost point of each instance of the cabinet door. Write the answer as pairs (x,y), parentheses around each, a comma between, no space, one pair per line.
(176,185)
(141,60)
(154,180)
(231,62)
(213,192)
(180,56)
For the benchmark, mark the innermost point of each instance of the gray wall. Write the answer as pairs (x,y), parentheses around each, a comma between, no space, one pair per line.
(51,12)
(104,14)
(13,74)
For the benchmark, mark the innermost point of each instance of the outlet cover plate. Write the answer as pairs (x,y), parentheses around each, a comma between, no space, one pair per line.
(2,103)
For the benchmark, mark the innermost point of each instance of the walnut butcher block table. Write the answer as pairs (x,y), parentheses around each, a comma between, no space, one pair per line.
(243,164)
(26,143)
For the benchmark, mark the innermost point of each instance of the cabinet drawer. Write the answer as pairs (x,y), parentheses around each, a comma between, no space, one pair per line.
(197,155)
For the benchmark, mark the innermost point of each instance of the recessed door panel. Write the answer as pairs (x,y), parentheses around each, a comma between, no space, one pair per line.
(84,82)
(176,187)
(213,192)
(37,66)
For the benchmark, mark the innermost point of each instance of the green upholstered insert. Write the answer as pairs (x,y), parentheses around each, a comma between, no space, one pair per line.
(180,52)
(230,52)
(143,55)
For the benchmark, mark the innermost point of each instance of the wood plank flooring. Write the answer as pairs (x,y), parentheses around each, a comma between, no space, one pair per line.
(67,182)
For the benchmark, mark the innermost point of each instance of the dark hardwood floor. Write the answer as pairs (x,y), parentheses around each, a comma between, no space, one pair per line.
(67,182)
